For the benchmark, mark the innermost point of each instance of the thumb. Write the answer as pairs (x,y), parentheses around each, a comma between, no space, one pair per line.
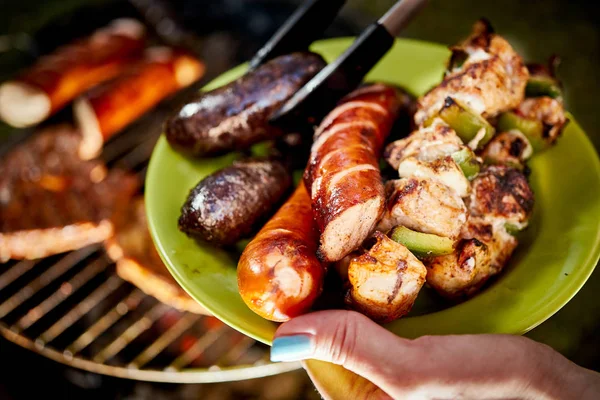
(346,338)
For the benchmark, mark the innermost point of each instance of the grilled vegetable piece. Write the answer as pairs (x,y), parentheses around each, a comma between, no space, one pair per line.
(229,204)
(509,148)
(423,205)
(422,244)
(279,275)
(502,193)
(138,262)
(542,80)
(343,175)
(461,273)
(467,162)
(384,281)
(471,127)
(550,112)
(427,144)
(56,79)
(107,109)
(491,80)
(532,129)
(235,116)
(52,202)
(538,86)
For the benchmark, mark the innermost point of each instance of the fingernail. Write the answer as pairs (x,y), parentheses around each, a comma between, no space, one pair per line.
(291,348)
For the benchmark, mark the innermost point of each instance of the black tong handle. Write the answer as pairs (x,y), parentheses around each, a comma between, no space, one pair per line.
(303,27)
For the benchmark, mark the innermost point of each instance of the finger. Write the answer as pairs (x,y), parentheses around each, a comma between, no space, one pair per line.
(345,338)
(335,382)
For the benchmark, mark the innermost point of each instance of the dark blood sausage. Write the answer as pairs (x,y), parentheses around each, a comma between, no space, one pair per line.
(229,204)
(235,116)
(342,175)
(279,275)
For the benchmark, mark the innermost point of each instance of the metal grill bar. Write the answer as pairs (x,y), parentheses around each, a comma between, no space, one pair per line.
(91,301)
(136,329)
(105,322)
(55,271)
(66,290)
(237,351)
(163,341)
(15,272)
(197,349)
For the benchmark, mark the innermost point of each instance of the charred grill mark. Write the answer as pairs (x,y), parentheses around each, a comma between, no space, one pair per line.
(516,147)
(400,268)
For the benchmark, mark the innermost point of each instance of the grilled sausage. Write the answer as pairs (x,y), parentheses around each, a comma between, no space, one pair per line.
(61,76)
(229,204)
(235,116)
(343,174)
(279,275)
(107,109)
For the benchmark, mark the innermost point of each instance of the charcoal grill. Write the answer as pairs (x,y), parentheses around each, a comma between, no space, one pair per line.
(74,309)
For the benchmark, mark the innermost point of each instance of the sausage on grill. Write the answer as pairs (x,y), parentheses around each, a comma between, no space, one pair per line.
(56,79)
(107,109)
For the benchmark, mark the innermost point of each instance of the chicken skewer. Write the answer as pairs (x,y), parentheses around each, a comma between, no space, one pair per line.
(495,200)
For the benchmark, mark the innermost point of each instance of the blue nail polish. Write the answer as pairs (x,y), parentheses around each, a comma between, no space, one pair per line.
(291,348)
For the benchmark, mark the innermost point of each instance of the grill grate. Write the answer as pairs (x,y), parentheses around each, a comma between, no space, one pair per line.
(74,309)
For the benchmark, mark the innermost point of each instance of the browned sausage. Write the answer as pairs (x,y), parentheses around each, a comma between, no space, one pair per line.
(107,109)
(279,275)
(232,203)
(343,175)
(236,115)
(58,78)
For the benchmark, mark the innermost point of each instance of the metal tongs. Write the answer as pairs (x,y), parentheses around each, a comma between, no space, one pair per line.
(318,96)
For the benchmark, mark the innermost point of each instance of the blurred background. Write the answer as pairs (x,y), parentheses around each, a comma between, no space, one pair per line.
(227,32)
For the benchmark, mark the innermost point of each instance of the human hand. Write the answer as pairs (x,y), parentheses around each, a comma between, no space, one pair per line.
(440,367)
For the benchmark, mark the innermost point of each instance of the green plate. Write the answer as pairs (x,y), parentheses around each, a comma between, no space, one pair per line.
(556,256)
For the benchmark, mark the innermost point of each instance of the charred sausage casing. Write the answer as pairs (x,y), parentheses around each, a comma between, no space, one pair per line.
(107,109)
(58,78)
(279,275)
(229,204)
(343,175)
(236,115)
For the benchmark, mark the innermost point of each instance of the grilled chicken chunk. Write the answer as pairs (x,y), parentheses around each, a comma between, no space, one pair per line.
(52,202)
(501,193)
(499,242)
(509,148)
(423,205)
(491,79)
(426,144)
(385,280)
(461,273)
(548,110)
(443,170)
(138,261)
